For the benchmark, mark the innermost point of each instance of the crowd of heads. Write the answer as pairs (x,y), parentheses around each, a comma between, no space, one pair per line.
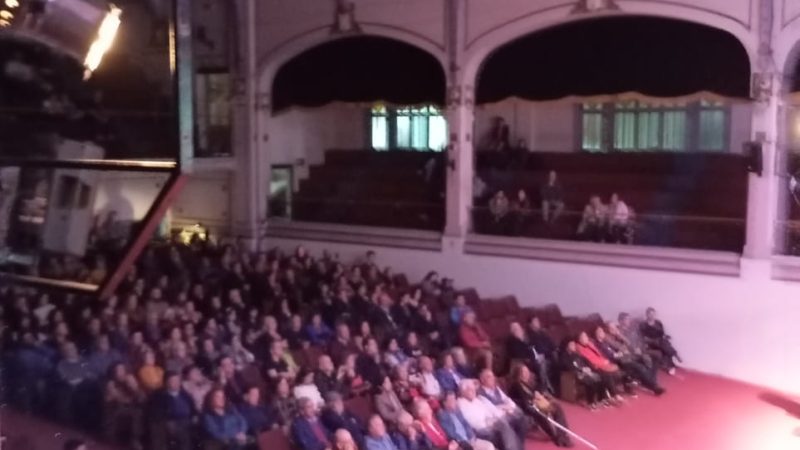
(215,345)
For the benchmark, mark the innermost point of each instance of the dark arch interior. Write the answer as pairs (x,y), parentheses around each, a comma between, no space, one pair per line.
(360,69)
(654,56)
(794,86)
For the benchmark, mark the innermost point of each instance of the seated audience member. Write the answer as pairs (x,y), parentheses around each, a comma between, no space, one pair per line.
(229,378)
(499,208)
(475,339)
(207,359)
(256,414)
(343,440)
(295,334)
(632,345)
(307,431)
(627,363)
(377,437)
(151,376)
(489,390)
(599,389)
(328,379)
(170,414)
(618,220)
(412,346)
(387,403)
(72,374)
(178,359)
(408,437)
(335,416)
(538,405)
(406,391)
(122,406)
(305,388)
(222,424)
(197,386)
(369,364)
(317,333)
(463,364)
(486,419)
(657,340)
(521,208)
(103,357)
(456,426)
(427,326)
(448,375)
(594,220)
(519,348)
(239,355)
(353,382)
(428,384)
(393,355)
(458,310)
(428,425)
(342,345)
(276,365)
(283,403)
(552,196)
(599,362)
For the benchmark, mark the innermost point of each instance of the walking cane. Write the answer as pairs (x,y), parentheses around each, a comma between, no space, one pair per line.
(566,430)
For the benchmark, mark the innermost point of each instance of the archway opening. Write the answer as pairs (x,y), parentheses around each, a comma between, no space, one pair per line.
(373,95)
(360,69)
(652,109)
(652,56)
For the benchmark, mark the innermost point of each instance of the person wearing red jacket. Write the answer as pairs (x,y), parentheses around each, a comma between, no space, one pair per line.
(475,339)
(601,365)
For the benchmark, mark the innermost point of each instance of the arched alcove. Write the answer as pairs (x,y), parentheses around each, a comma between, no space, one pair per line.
(360,69)
(654,56)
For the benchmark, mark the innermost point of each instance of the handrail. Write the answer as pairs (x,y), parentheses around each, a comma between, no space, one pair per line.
(49,282)
(638,216)
(92,164)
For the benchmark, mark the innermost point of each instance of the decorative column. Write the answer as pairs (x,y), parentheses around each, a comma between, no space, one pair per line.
(460,122)
(459,164)
(248,196)
(763,195)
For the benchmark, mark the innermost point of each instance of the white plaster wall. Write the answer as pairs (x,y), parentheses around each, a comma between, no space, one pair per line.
(306,133)
(280,22)
(129,194)
(205,199)
(742,328)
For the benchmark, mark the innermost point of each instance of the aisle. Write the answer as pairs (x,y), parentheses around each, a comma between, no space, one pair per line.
(699,412)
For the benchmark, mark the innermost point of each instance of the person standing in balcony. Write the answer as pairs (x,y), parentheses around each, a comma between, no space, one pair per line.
(499,207)
(552,196)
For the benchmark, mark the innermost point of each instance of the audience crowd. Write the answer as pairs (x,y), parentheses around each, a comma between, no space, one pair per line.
(208,347)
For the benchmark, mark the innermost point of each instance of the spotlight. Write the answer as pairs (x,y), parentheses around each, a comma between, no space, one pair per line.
(82,29)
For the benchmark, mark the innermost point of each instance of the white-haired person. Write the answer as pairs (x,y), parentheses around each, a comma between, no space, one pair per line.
(488,421)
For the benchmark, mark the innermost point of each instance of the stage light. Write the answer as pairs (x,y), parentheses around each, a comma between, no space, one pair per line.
(82,29)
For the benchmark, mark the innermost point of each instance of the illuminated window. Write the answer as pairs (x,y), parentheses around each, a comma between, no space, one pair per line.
(639,126)
(415,128)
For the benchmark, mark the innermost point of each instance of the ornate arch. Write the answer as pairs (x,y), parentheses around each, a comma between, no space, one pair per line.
(481,47)
(269,64)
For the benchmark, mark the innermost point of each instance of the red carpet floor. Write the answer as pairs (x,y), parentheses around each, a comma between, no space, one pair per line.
(699,412)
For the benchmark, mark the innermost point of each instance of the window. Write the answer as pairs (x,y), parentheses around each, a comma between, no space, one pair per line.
(639,126)
(416,128)
(593,127)
(213,114)
(712,126)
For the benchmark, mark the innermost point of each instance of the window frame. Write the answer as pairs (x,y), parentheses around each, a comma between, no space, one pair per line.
(635,111)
